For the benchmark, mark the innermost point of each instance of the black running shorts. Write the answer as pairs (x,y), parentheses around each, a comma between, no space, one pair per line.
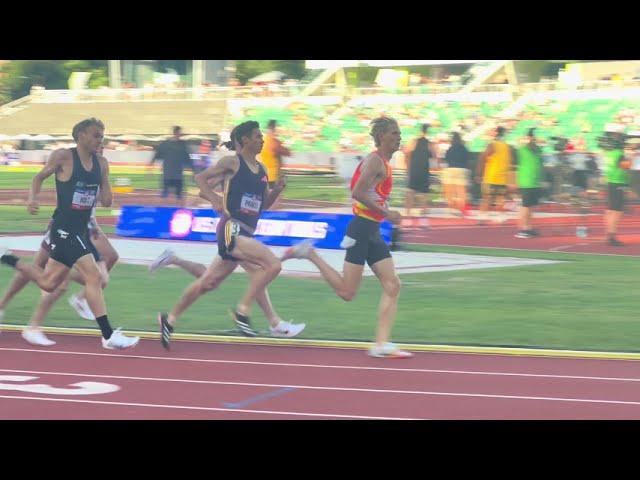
(615,199)
(226,233)
(363,242)
(46,244)
(492,190)
(530,196)
(67,247)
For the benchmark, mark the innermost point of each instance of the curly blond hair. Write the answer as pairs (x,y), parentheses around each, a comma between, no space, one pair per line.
(379,126)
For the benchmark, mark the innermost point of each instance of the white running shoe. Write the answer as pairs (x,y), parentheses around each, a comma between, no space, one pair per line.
(287,329)
(388,350)
(301,250)
(119,340)
(81,307)
(163,259)
(35,336)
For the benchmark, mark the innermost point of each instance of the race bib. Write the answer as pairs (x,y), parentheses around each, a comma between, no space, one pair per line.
(250,204)
(84,198)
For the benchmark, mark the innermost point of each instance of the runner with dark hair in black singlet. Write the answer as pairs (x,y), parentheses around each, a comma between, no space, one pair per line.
(246,195)
(80,174)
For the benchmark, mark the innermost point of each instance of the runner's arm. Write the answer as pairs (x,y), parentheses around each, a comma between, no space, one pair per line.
(54,163)
(274,193)
(215,174)
(106,195)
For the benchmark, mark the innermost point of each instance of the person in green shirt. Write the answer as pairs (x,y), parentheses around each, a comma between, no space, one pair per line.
(528,177)
(617,171)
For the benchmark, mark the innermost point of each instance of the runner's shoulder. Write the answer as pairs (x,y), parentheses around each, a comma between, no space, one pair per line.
(230,161)
(373,160)
(62,154)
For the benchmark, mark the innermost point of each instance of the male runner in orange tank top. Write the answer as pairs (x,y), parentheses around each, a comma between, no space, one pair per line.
(371,187)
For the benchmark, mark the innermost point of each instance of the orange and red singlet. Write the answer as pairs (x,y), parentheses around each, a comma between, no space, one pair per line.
(380,192)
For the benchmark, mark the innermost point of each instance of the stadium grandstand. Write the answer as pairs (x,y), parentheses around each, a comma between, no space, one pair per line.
(328,114)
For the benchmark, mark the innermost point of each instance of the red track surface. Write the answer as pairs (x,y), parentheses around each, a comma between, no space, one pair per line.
(556,234)
(226,381)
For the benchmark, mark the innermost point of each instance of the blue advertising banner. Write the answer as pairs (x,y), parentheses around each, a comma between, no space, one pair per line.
(199,224)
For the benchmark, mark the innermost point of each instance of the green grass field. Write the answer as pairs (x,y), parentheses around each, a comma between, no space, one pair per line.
(584,303)
(587,302)
(15,218)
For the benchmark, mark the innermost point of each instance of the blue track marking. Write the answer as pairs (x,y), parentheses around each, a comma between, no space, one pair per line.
(259,398)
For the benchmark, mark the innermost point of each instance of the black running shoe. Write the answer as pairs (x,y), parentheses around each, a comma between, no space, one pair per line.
(165,330)
(243,323)
(7,258)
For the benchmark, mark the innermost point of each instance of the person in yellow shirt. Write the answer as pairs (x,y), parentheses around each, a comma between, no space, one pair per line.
(272,153)
(495,172)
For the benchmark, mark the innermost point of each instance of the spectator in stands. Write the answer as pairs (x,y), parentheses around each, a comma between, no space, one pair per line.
(495,172)
(418,156)
(174,154)
(455,177)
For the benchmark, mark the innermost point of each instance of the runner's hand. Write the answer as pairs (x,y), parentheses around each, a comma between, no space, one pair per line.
(33,207)
(394,217)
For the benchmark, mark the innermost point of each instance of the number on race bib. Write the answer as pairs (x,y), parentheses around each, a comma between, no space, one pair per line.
(83,199)
(250,204)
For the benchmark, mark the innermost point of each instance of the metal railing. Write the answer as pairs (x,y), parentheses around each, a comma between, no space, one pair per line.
(172,94)
(429,89)
(224,93)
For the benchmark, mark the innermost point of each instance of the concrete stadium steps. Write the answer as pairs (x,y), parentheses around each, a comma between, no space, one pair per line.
(148,117)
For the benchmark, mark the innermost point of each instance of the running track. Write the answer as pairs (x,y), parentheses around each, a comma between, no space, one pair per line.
(239,381)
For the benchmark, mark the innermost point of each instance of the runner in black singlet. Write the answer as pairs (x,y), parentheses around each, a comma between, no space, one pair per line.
(79,174)
(246,194)
(103,253)
(277,326)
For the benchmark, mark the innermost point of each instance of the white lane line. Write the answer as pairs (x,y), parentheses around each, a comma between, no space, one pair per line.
(210,409)
(344,389)
(345,367)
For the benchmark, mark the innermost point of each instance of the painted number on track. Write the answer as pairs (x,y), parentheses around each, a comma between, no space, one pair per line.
(80,388)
